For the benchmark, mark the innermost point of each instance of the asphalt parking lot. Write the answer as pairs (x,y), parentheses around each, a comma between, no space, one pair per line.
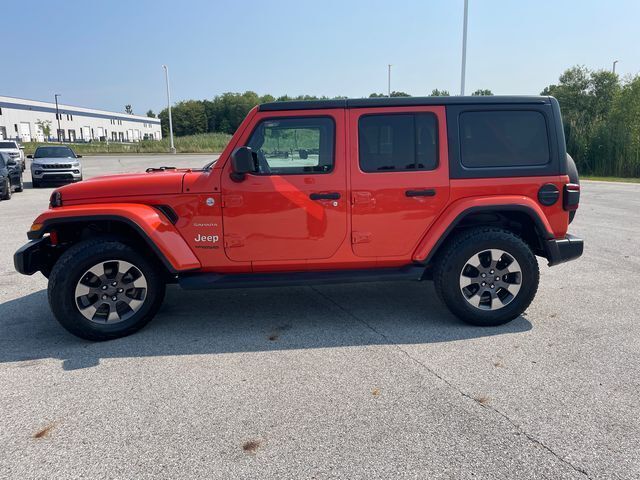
(358,381)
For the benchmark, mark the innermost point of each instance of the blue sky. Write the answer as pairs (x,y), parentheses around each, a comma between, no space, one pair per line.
(109,53)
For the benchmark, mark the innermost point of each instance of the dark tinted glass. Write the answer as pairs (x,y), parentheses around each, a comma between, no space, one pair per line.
(294,145)
(53,152)
(7,145)
(503,139)
(398,142)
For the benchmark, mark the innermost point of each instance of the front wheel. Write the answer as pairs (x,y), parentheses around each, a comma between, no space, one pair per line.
(487,276)
(7,190)
(104,289)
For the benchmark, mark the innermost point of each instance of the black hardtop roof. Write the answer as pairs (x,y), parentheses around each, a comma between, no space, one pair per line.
(402,102)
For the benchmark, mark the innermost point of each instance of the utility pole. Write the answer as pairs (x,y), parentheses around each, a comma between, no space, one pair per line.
(57,115)
(614,66)
(464,47)
(389,81)
(166,76)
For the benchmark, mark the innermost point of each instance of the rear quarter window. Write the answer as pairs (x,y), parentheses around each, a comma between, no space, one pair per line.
(509,138)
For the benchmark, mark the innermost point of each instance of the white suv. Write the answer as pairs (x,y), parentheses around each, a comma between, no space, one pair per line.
(14,150)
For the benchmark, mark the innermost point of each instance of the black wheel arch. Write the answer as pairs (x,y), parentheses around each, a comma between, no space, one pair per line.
(76,229)
(519,219)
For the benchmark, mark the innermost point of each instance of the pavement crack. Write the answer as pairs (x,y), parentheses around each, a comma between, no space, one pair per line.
(422,364)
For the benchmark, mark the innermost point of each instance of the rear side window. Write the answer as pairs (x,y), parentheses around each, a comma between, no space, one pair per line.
(398,142)
(505,138)
(294,145)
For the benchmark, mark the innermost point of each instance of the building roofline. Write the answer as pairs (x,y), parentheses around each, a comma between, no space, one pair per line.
(402,102)
(65,106)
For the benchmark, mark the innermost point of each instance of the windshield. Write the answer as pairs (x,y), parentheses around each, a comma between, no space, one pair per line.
(54,152)
(8,145)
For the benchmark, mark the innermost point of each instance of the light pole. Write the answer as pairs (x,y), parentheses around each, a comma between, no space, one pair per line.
(166,76)
(389,81)
(614,66)
(464,47)
(57,115)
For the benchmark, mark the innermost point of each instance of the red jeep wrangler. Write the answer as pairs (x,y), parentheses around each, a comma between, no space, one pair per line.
(462,190)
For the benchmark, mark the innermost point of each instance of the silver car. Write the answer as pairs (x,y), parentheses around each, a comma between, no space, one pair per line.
(55,164)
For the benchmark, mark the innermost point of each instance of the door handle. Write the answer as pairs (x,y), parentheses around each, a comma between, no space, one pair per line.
(429,192)
(325,196)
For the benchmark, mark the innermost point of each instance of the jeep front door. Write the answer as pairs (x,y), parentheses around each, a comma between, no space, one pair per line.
(399,177)
(294,207)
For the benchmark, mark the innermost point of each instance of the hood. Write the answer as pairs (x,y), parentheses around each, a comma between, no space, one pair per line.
(126,185)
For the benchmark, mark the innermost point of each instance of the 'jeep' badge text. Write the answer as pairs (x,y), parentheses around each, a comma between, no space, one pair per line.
(207,238)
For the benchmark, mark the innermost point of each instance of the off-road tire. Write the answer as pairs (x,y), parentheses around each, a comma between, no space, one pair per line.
(455,255)
(70,268)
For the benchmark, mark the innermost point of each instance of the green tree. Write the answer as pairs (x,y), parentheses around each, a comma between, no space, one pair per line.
(482,93)
(439,93)
(45,126)
(150,114)
(128,109)
(189,118)
(601,120)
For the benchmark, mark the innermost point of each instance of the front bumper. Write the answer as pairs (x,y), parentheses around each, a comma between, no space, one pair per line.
(72,175)
(33,256)
(564,249)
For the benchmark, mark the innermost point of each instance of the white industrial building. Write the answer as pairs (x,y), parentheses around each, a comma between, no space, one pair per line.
(20,119)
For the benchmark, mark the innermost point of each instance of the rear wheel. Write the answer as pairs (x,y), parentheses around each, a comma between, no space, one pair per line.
(104,289)
(20,185)
(487,276)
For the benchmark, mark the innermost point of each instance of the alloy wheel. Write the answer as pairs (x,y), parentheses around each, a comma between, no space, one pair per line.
(111,292)
(490,279)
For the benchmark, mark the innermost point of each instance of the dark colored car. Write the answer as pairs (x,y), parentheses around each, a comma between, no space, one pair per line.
(10,176)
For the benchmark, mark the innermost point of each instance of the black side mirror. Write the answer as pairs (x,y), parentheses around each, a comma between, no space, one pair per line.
(242,162)
(29,156)
(78,156)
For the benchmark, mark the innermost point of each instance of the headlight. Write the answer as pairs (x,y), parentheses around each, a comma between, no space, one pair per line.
(36,165)
(56,199)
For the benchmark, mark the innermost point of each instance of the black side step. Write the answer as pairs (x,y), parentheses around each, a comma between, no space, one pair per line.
(201,281)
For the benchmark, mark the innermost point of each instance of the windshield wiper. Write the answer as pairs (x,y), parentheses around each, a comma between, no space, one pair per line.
(210,164)
(159,169)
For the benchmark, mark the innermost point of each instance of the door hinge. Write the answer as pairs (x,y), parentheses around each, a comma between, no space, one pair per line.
(231,241)
(360,237)
(231,201)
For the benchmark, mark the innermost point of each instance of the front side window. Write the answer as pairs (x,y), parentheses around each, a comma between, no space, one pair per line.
(507,138)
(398,142)
(294,145)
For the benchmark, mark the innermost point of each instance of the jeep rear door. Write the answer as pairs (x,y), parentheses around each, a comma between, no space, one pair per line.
(295,208)
(399,177)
